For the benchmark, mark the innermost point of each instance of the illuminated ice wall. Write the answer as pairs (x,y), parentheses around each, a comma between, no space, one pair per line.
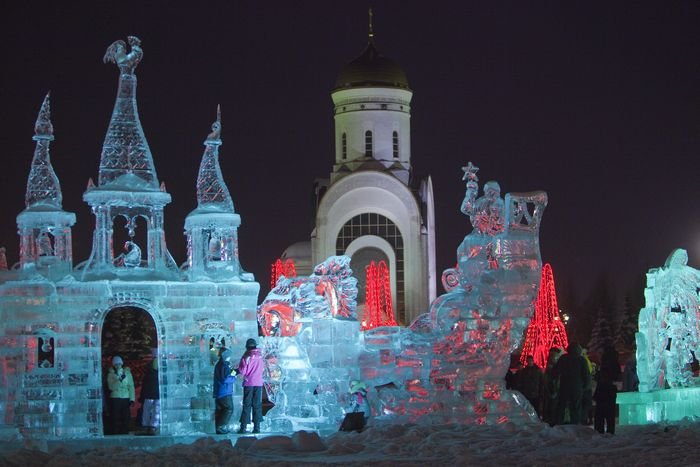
(448,366)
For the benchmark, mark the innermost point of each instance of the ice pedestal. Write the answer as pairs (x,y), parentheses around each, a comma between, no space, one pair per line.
(641,408)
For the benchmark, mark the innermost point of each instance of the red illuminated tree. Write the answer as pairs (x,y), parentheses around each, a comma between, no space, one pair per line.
(286,269)
(378,308)
(546,329)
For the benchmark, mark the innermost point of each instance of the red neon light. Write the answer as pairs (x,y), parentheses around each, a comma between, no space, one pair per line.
(379,310)
(546,329)
(286,269)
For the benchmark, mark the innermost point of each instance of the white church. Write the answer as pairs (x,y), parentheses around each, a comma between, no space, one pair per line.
(371,209)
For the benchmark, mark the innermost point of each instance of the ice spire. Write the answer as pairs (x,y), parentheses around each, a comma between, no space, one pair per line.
(211,188)
(125,150)
(370,32)
(43,186)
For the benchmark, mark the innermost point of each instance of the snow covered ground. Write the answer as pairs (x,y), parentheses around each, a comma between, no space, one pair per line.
(412,445)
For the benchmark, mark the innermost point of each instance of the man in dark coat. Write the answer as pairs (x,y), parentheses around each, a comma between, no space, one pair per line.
(530,381)
(574,375)
(606,391)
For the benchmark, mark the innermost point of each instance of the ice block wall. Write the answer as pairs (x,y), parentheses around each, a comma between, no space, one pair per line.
(64,398)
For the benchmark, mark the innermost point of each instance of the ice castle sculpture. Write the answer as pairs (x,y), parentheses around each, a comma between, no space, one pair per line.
(52,314)
(667,342)
(448,366)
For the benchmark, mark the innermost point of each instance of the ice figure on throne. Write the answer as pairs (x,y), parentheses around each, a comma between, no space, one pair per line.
(486,214)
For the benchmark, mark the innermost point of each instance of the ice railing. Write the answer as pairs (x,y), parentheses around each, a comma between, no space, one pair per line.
(524,211)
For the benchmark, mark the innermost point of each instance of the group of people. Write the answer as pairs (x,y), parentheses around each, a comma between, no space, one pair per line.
(122,394)
(564,391)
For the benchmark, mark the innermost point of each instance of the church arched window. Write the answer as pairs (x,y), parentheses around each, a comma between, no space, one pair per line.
(395,144)
(344,146)
(368,143)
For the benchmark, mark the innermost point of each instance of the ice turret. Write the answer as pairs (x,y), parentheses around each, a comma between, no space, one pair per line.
(44,227)
(212,228)
(127,188)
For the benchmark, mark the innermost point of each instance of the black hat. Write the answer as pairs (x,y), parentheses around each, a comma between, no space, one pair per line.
(250,344)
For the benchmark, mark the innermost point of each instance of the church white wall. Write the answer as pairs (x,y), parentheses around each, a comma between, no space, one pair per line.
(376,192)
(379,110)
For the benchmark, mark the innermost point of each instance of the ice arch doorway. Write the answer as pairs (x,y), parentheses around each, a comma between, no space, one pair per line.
(130,332)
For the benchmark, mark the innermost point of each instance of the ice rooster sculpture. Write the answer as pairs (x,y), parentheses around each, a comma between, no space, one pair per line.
(669,328)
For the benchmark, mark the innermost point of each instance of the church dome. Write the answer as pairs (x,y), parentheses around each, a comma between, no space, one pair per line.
(371,69)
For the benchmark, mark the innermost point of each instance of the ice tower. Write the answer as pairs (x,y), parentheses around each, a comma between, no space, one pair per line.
(212,228)
(44,227)
(127,186)
(53,346)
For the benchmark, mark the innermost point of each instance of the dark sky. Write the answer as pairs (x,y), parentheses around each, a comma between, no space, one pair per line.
(596,103)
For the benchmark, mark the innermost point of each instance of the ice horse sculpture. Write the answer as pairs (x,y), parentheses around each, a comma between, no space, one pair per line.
(447,367)
(667,340)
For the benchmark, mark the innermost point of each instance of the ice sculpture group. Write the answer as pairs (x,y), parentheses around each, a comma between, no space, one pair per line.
(447,366)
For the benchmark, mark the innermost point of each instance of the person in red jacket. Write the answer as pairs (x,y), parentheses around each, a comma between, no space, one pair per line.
(251,368)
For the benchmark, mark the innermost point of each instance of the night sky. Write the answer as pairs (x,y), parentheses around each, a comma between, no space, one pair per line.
(597,103)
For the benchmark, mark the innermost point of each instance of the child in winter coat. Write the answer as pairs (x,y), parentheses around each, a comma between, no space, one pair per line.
(358,399)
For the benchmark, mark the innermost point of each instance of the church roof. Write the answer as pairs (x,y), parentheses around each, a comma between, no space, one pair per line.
(371,69)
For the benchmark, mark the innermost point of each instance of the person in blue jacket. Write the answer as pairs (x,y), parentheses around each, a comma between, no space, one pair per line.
(224,377)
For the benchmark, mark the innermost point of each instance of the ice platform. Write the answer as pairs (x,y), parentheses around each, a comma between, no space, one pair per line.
(666,405)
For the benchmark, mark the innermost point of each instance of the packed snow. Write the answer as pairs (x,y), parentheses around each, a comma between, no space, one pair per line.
(506,444)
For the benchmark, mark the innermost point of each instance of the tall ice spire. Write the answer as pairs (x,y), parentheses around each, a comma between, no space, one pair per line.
(211,188)
(44,228)
(125,150)
(370,33)
(43,186)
